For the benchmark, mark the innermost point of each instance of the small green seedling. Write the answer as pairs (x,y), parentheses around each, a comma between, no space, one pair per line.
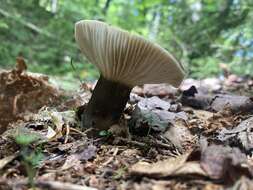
(31,157)
(105,133)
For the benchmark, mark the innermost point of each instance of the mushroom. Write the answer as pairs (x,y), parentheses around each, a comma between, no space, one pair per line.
(124,60)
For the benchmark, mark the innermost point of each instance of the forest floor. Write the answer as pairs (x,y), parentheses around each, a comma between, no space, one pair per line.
(197,137)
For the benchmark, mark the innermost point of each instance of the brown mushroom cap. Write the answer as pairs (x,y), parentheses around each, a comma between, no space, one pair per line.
(126,58)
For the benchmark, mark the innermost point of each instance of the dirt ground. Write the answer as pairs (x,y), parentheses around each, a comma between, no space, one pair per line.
(196,137)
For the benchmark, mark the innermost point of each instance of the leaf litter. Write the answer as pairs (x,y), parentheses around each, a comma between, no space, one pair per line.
(201,139)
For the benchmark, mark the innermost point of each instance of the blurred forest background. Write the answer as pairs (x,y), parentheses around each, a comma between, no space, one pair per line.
(201,33)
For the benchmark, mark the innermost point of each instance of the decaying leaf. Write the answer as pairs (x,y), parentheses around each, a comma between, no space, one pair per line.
(88,153)
(74,160)
(71,161)
(154,103)
(225,163)
(180,136)
(23,92)
(154,113)
(243,183)
(145,119)
(7,160)
(20,64)
(203,115)
(61,122)
(51,134)
(170,167)
(214,161)
(240,135)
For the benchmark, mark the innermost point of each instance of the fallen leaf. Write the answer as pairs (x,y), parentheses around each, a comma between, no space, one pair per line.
(153,103)
(180,136)
(153,113)
(95,182)
(170,167)
(50,133)
(88,153)
(20,64)
(71,161)
(225,163)
(61,122)
(243,183)
(241,135)
(24,92)
(143,120)
(57,119)
(7,160)
(212,186)
(203,115)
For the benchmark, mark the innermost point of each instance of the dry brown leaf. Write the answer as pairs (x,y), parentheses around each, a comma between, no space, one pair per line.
(242,184)
(22,93)
(154,103)
(20,64)
(71,161)
(225,163)
(203,115)
(51,134)
(180,136)
(170,167)
(241,134)
(7,160)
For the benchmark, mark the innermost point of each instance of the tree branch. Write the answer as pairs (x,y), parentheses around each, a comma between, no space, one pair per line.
(106,7)
(25,23)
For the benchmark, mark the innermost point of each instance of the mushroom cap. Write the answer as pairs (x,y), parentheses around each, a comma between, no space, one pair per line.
(126,58)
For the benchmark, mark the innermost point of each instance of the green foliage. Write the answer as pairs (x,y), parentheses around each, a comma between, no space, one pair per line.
(201,33)
(25,139)
(119,173)
(105,133)
(205,67)
(31,158)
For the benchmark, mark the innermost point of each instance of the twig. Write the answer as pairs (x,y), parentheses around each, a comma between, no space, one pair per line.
(131,142)
(77,131)
(62,186)
(112,157)
(67,134)
(146,143)
(50,185)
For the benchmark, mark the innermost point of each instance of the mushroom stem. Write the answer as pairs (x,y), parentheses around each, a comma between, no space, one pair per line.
(106,105)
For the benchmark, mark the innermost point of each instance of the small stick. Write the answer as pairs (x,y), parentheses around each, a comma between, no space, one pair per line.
(67,134)
(146,143)
(112,157)
(50,185)
(77,131)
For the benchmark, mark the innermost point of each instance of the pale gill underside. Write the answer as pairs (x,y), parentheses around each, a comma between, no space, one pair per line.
(126,58)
